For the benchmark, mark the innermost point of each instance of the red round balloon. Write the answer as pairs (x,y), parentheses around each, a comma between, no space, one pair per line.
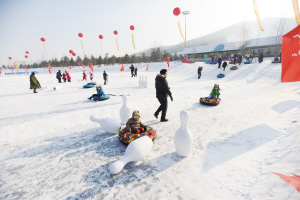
(70,51)
(9,58)
(80,34)
(26,56)
(43,39)
(101,36)
(116,32)
(27,52)
(73,54)
(132,27)
(176,11)
(167,59)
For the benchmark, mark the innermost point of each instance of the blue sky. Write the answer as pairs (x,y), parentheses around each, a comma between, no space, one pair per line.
(24,22)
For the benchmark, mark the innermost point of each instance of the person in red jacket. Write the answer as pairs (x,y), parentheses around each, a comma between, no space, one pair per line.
(84,76)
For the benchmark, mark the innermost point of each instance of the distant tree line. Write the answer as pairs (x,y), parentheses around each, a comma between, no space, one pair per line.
(155,56)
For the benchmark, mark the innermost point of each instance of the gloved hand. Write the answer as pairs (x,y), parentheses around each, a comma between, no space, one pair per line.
(171,98)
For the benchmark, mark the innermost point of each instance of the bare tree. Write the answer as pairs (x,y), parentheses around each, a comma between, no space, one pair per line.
(244,37)
(278,30)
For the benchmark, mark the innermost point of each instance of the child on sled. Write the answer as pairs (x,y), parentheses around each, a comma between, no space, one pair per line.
(215,92)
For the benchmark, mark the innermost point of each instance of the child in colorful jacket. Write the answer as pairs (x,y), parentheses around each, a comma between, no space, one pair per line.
(64,76)
(214,93)
(91,76)
(84,75)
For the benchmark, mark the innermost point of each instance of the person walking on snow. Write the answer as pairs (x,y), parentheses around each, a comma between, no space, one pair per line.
(99,94)
(162,93)
(219,61)
(68,76)
(132,70)
(34,83)
(58,76)
(199,72)
(214,93)
(224,65)
(234,58)
(105,77)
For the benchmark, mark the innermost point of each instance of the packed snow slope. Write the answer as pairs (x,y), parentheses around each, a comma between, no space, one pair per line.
(49,148)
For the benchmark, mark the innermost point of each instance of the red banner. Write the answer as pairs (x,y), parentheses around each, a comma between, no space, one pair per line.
(296,10)
(122,68)
(91,66)
(290,56)
(147,67)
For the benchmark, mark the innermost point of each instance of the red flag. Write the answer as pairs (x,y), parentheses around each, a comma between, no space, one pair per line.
(91,66)
(168,64)
(49,66)
(82,66)
(12,70)
(0,70)
(26,69)
(147,67)
(122,68)
(292,180)
(290,55)
(70,67)
(49,71)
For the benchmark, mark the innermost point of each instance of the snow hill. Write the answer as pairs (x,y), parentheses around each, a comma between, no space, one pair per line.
(51,150)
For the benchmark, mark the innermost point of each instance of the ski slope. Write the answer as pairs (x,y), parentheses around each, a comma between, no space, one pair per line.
(49,148)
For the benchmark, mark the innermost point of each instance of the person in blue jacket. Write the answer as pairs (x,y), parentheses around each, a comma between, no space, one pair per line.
(234,58)
(99,94)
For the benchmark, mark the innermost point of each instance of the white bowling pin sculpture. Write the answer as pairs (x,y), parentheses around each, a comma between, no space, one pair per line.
(109,125)
(135,151)
(146,82)
(125,112)
(140,82)
(183,138)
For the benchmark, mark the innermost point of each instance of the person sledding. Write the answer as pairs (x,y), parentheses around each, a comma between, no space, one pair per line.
(99,94)
(215,92)
(134,124)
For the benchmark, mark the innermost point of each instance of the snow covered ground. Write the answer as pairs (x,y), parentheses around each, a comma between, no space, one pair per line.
(49,148)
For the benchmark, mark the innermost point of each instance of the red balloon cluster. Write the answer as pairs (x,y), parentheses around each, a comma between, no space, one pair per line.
(176,11)
(9,58)
(27,52)
(70,51)
(26,56)
(80,34)
(101,37)
(167,59)
(132,27)
(43,39)
(73,54)
(116,32)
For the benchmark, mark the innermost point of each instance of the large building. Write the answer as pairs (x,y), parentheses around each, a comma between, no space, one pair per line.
(269,46)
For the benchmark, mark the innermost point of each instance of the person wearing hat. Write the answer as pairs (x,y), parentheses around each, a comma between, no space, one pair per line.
(134,124)
(215,92)
(99,94)
(34,83)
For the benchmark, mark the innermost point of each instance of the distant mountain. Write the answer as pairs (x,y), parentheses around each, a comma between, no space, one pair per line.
(233,33)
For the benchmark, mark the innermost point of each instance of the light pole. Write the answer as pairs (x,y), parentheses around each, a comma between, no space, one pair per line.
(185,13)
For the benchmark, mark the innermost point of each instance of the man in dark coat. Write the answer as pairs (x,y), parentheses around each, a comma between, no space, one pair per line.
(199,72)
(58,76)
(162,93)
(224,65)
(261,57)
(219,61)
(105,77)
(34,83)
(132,70)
